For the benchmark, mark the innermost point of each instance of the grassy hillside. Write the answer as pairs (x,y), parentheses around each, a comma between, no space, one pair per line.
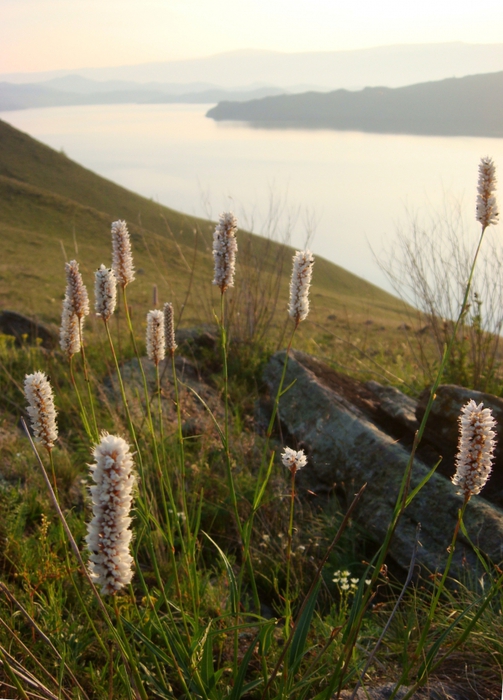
(52,209)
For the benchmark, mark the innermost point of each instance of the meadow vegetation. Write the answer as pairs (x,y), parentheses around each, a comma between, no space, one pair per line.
(241,587)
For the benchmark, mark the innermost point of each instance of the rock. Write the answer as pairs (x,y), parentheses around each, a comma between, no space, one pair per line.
(442,431)
(434,691)
(23,327)
(396,405)
(334,417)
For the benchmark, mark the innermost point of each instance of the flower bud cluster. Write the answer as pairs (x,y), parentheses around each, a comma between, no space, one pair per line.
(75,308)
(105,292)
(293,460)
(475,449)
(487,208)
(38,393)
(224,251)
(109,536)
(169,328)
(298,307)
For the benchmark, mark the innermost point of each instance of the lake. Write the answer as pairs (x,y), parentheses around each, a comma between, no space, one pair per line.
(353,189)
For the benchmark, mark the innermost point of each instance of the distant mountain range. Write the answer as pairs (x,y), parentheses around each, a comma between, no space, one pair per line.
(50,94)
(469,106)
(393,66)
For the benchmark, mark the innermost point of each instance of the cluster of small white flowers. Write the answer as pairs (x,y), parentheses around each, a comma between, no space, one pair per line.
(105,292)
(122,257)
(38,393)
(109,536)
(293,460)
(345,582)
(475,449)
(487,208)
(155,336)
(169,328)
(302,271)
(224,250)
(76,291)
(70,330)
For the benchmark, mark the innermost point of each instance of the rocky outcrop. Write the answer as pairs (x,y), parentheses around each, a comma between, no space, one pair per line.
(26,329)
(356,434)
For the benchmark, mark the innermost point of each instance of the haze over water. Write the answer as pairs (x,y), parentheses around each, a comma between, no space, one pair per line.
(357,186)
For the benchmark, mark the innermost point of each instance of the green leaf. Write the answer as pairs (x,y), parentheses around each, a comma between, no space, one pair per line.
(230,575)
(238,690)
(301,631)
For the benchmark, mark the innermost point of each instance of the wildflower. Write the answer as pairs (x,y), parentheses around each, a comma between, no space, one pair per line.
(38,393)
(169,328)
(109,535)
(302,271)
(70,331)
(76,292)
(122,258)
(487,208)
(475,449)
(345,586)
(224,251)
(105,292)
(293,460)
(155,336)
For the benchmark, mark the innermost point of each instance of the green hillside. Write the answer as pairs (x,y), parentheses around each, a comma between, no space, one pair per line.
(52,209)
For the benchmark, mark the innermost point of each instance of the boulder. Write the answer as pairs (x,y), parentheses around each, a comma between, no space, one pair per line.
(26,329)
(351,440)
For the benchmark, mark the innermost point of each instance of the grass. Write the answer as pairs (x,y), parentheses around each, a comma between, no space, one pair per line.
(220,566)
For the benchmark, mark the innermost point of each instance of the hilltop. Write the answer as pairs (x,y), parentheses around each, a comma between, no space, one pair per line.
(469,106)
(52,209)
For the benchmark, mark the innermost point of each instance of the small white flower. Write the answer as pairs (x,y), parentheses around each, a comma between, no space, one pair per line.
(293,460)
(122,257)
(487,208)
(368,581)
(475,449)
(155,336)
(109,536)
(38,393)
(224,251)
(345,586)
(302,271)
(105,292)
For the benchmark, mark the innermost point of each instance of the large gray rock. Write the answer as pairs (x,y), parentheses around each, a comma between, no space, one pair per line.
(335,419)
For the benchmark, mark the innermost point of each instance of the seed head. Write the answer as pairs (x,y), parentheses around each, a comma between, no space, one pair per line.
(475,449)
(302,271)
(109,536)
(293,460)
(487,208)
(122,258)
(105,292)
(76,291)
(155,336)
(169,328)
(71,329)
(224,250)
(38,393)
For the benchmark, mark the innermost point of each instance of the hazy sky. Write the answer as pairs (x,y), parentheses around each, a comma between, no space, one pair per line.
(40,35)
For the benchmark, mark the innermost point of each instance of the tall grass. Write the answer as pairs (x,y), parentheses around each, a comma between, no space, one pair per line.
(220,606)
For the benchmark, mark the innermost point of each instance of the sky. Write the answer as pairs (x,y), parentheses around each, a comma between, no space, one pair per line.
(39,35)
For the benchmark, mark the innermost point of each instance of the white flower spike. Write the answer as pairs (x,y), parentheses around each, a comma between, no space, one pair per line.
(122,257)
(475,449)
(169,328)
(225,248)
(38,393)
(105,292)
(109,536)
(302,271)
(155,336)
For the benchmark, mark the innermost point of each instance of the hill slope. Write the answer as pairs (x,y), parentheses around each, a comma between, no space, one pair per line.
(470,106)
(52,209)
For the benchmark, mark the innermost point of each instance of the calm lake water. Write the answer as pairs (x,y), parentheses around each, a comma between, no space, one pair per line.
(356,187)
